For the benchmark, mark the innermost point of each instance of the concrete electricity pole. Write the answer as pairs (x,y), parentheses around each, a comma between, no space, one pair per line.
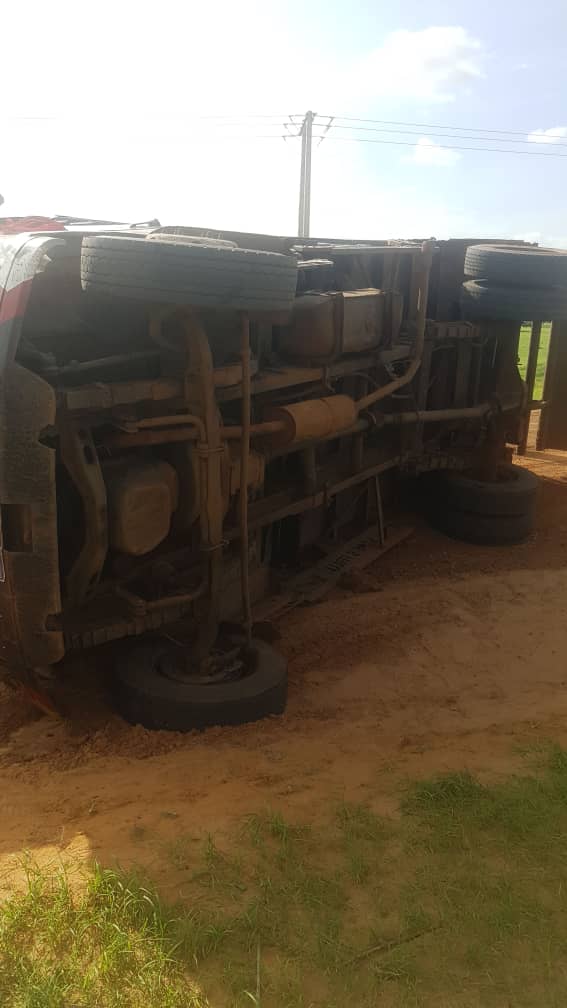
(305,175)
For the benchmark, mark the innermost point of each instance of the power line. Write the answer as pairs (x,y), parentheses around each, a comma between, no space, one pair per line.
(448,136)
(294,121)
(221,119)
(410,143)
(466,129)
(296,118)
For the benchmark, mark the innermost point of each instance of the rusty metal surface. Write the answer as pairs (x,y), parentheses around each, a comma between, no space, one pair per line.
(80,458)
(311,419)
(324,327)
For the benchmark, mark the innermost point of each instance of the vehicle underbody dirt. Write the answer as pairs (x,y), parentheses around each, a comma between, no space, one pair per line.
(188,421)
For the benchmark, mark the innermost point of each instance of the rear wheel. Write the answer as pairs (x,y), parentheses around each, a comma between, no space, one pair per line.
(513,493)
(487,530)
(483,300)
(492,513)
(513,265)
(153,687)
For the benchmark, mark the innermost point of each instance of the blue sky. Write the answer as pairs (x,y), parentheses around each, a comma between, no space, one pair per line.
(126,88)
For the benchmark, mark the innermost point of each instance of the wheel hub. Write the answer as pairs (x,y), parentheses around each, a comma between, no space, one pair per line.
(220,666)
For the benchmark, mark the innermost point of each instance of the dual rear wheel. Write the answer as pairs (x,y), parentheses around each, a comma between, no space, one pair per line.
(488,513)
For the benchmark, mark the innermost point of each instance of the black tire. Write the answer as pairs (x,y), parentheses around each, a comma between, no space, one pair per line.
(514,494)
(203,275)
(510,266)
(143,695)
(480,300)
(486,530)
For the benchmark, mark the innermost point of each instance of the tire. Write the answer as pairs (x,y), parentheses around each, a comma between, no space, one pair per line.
(510,266)
(514,494)
(486,530)
(480,300)
(145,696)
(182,273)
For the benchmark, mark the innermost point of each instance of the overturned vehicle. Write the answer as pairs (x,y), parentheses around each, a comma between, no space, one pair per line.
(193,421)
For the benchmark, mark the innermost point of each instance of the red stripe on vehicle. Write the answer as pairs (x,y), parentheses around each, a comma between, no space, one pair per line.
(13,302)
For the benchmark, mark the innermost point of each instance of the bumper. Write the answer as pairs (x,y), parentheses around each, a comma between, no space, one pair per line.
(29,564)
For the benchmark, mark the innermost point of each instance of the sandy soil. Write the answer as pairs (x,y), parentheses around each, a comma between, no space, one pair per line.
(442,655)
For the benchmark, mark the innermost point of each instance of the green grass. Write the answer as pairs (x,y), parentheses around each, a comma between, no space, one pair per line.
(461,900)
(523,349)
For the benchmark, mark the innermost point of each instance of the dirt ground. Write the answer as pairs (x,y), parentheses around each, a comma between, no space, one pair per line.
(441,656)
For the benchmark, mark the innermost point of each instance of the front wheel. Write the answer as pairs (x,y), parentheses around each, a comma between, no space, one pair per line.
(152,687)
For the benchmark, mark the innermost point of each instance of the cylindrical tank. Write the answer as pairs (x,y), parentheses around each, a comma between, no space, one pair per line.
(312,419)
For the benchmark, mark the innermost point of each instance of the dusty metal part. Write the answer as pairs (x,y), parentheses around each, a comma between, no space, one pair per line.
(187,419)
(463,372)
(80,458)
(144,438)
(287,376)
(122,618)
(175,435)
(231,374)
(442,332)
(357,451)
(421,285)
(311,419)
(228,433)
(141,496)
(256,470)
(309,464)
(200,401)
(379,510)
(493,450)
(272,509)
(187,466)
(361,425)
(103,396)
(262,430)
(437,416)
(326,326)
(29,560)
(108,395)
(142,606)
(312,585)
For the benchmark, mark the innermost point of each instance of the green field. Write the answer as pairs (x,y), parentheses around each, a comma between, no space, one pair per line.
(457,900)
(542,356)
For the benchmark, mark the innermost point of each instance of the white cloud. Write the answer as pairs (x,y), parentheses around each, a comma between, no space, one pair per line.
(427,152)
(431,65)
(542,238)
(547,136)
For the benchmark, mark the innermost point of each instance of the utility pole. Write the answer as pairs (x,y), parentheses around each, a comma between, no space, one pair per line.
(305,175)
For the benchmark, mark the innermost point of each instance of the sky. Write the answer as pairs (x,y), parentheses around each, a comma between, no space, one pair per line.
(176,110)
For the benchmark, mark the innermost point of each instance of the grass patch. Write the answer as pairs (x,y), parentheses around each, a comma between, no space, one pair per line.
(523,349)
(461,901)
